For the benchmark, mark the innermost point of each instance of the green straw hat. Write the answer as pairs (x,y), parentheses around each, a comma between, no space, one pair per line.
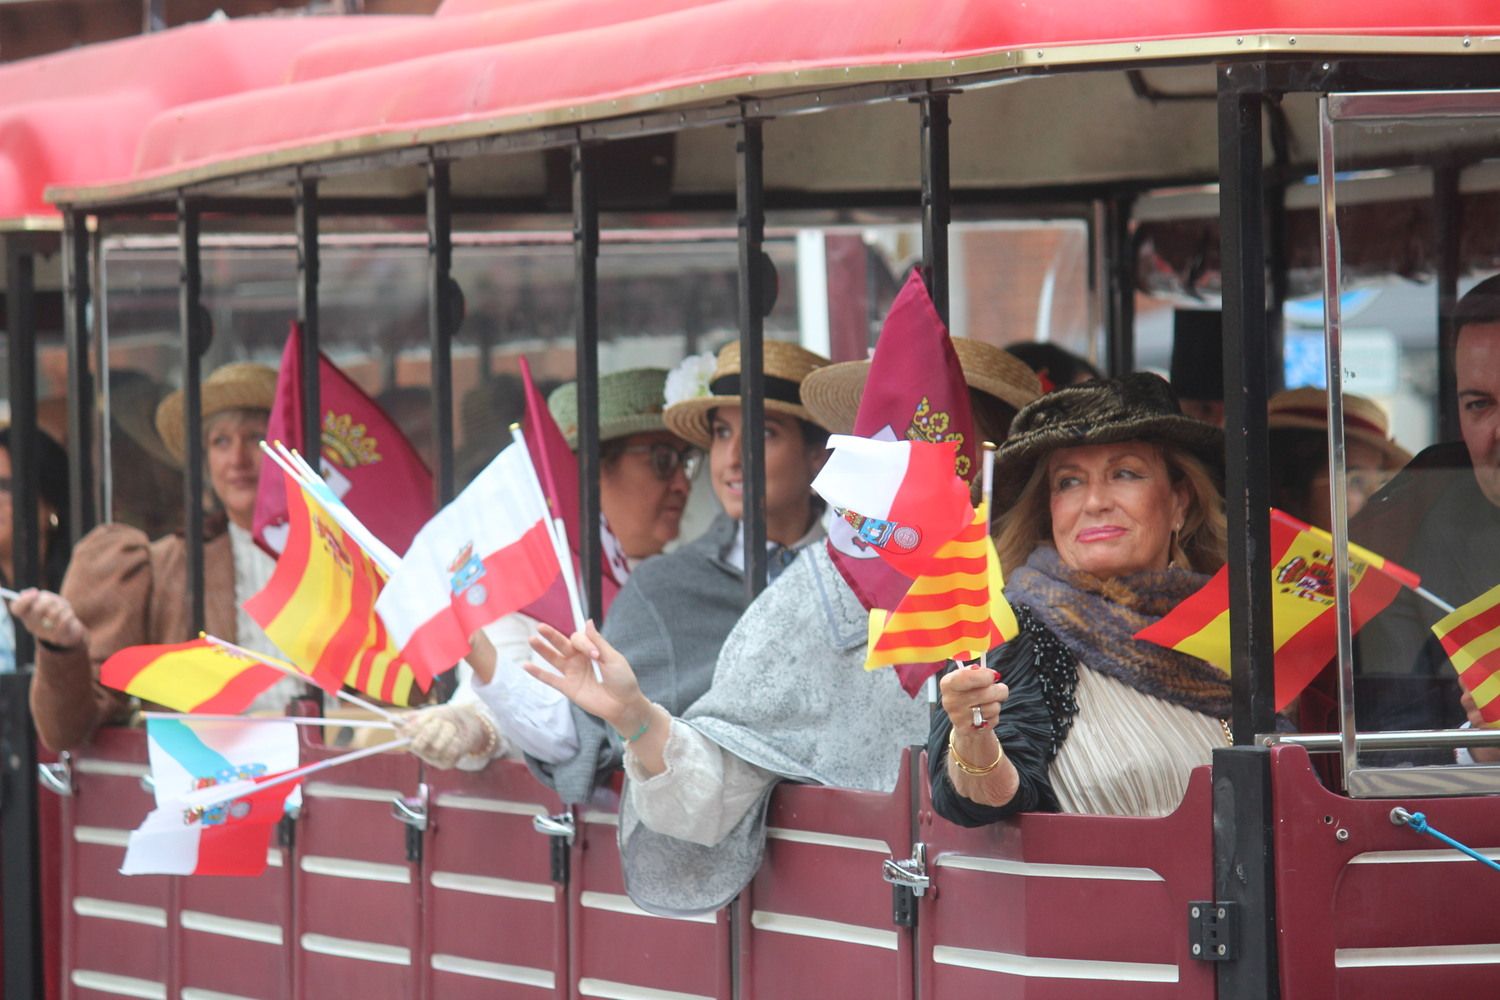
(630,402)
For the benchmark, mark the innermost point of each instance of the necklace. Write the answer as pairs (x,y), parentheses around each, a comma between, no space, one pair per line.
(1228,733)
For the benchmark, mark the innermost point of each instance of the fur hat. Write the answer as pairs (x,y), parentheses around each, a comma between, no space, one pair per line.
(242,385)
(1136,407)
(630,402)
(1364,420)
(833,392)
(785,366)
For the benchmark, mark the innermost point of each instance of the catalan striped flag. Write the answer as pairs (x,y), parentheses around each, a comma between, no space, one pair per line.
(1471,638)
(319,608)
(189,676)
(1305,629)
(955,610)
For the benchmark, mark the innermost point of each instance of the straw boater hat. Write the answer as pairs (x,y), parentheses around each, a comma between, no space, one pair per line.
(1364,420)
(1136,407)
(833,392)
(630,402)
(785,366)
(239,386)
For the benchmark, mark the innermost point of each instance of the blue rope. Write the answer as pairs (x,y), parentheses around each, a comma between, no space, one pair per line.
(1418,822)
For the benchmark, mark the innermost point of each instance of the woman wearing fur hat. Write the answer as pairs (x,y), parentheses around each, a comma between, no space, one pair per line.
(673,615)
(644,480)
(128,590)
(1112,518)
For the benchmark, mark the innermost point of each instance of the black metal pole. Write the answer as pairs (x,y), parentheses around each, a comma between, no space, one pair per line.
(190,310)
(20,328)
(306,213)
(1278,267)
(750,200)
(1119,268)
(76,332)
(1447,218)
(440,319)
(20,847)
(937,200)
(586,330)
(1244,863)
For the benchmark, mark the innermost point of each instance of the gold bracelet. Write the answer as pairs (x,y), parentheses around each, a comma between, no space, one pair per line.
(964,765)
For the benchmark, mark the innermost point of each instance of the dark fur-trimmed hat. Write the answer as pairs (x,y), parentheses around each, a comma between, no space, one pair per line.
(1137,407)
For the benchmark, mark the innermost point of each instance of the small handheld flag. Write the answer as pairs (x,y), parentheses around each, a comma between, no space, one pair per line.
(1471,638)
(196,676)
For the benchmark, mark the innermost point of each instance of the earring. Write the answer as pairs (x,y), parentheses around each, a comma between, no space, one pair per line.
(52,519)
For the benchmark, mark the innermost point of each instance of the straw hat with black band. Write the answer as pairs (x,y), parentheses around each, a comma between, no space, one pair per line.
(242,385)
(785,367)
(832,393)
(630,402)
(1364,420)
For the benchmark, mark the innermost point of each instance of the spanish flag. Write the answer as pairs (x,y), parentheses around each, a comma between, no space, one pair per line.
(953,611)
(1302,602)
(319,607)
(1471,638)
(192,676)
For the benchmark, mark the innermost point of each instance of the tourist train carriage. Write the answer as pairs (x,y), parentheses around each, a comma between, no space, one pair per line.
(484,129)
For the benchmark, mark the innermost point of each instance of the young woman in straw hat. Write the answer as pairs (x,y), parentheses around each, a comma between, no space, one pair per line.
(789,699)
(673,615)
(644,481)
(128,590)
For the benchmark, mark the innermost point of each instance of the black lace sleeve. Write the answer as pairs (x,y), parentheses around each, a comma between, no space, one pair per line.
(1027,729)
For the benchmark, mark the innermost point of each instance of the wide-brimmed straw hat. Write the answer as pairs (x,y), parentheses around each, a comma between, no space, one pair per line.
(785,366)
(1364,420)
(832,393)
(630,402)
(239,386)
(1136,407)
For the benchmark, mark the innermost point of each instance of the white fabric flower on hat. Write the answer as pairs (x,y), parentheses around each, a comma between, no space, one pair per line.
(690,378)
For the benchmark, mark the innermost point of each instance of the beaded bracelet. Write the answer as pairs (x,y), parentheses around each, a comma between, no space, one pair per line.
(968,768)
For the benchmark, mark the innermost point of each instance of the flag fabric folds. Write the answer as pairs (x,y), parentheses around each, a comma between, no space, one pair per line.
(1471,638)
(1303,621)
(319,606)
(368,462)
(487,554)
(954,610)
(194,676)
(902,497)
(186,837)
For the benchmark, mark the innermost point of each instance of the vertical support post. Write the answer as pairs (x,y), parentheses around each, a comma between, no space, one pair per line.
(20,848)
(1244,866)
(937,200)
(306,212)
(750,205)
(20,331)
(1278,267)
(190,313)
(586,330)
(1447,220)
(81,413)
(1119,269)
(99,288)
(440,318)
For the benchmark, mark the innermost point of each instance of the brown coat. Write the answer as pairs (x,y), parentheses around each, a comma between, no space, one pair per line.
(127,591)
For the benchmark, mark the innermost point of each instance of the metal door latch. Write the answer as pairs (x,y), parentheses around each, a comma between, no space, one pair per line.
(561,828)
(411,810)
(910,873)
(58,777)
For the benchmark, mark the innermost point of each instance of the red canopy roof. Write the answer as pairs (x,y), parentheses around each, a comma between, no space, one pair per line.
(477,68)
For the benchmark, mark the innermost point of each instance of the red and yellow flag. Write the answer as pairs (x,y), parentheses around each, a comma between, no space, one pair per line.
(954,611)
(1305,631)
(192,676)
(1471,638)
(319,608)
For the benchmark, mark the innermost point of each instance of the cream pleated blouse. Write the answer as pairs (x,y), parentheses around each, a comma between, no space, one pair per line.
(1128,753)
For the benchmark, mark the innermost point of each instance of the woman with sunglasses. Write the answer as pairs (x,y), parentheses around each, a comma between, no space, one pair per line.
(644,480)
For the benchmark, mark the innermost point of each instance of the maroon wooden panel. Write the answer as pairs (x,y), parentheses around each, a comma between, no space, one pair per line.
(1051,906)
(496,923)
(1384,909)
(233,933)
(613,942)
(49,840)
(819,912)
(356,896)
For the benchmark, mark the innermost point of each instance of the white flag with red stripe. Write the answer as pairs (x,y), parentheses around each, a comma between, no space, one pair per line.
(489,553)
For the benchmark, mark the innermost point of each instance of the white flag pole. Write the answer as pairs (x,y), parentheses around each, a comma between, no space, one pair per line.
(216,795)
(291,671)
(324,496)
(296,720)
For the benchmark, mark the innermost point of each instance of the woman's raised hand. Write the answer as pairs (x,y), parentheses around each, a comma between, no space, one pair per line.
(612,694)
(968,688)
(49,617)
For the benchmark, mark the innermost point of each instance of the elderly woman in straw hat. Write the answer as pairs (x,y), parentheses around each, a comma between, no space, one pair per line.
(1112,518)
(644,480)
(673,615)
(789,698)
(128,590)
(1298,424)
